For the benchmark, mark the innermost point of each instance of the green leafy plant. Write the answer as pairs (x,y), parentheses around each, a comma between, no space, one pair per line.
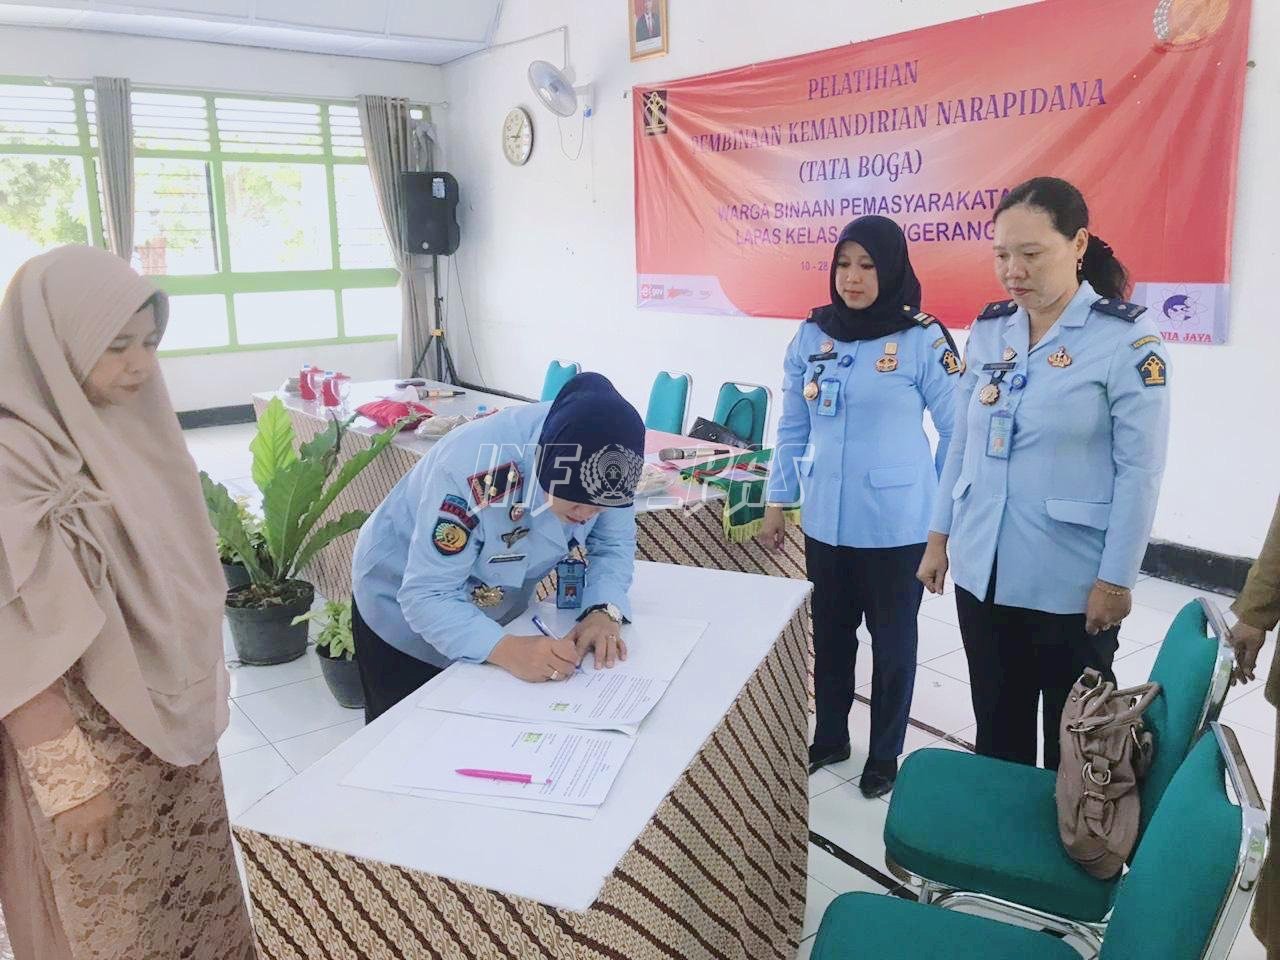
(334,638)
(252,525)
(298,487)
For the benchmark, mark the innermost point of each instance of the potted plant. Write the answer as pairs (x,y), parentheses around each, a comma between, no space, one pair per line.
(298,487)
(232,565)
(337,647)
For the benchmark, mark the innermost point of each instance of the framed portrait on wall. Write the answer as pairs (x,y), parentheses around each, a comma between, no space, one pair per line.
(647,24)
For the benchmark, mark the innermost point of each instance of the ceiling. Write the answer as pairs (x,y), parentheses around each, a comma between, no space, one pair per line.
(414,31)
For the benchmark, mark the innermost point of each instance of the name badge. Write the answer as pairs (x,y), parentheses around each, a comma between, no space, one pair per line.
(828,394)
(1005,365)
(825,355)
(571,576)
(507,558)
(1000,434)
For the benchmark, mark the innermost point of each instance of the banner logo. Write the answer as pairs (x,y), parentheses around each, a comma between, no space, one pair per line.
(655,113)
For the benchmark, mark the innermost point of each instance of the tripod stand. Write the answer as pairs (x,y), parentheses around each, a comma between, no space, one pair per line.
(444,359)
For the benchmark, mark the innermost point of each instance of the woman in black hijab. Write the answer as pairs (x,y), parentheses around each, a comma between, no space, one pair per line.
(853,453)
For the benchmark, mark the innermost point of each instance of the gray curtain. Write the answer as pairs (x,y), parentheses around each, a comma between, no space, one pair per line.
(115,159)
(391,150)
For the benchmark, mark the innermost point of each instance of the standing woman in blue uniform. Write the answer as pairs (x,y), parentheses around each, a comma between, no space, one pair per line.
(1050,487)
(858,377)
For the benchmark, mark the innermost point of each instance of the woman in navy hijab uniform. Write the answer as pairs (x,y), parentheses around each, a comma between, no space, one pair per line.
(852,451)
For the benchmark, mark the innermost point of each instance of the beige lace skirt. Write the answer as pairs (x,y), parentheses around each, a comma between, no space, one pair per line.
(169,889)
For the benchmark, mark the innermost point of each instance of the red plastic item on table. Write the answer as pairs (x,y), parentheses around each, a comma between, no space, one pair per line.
(385,412)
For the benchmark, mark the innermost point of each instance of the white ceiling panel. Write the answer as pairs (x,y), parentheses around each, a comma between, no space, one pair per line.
(414,31)
(442,19)
(174,28)
(417,51)
(198,8)
(368,16)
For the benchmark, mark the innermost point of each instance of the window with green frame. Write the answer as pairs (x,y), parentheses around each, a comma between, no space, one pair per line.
(256,214)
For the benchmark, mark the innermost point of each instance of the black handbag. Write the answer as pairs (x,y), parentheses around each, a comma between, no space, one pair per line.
(713,432)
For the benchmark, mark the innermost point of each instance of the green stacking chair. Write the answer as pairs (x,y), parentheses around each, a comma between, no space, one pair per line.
(961,825)
(668,402)
(558,374)
(744,411)
(1184,897)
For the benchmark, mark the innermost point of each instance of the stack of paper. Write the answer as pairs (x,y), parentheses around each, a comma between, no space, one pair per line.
(609,698)
(569,737)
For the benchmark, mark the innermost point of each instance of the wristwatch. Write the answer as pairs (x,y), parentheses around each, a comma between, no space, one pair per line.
(608,609)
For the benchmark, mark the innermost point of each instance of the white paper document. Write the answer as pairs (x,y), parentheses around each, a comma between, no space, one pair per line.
(422,756)
(610,698)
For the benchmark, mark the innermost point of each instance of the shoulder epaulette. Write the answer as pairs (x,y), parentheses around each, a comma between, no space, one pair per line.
(813,314)
(925,319)
(1119,308)
(1000,308)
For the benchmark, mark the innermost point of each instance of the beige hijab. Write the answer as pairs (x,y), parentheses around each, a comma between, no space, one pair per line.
(106,554)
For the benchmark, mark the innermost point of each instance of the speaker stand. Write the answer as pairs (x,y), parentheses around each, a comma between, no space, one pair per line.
(444,359)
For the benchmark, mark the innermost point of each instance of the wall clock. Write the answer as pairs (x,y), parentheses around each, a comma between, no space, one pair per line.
(517,136)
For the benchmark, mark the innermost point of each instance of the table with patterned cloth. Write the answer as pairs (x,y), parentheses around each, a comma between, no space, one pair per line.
(699,851)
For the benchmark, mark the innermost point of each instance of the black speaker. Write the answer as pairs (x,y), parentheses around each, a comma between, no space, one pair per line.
(431,213)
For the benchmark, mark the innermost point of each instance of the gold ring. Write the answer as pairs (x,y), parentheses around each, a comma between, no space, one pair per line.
(555,675)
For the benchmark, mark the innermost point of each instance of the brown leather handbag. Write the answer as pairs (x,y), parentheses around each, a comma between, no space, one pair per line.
(1106,751)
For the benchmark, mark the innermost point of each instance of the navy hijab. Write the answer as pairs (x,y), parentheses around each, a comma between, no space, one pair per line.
(895,308)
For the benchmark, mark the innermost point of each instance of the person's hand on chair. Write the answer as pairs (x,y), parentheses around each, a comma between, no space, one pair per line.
(1247,642)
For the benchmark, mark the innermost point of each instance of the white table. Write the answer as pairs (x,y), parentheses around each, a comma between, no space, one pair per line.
(700,849)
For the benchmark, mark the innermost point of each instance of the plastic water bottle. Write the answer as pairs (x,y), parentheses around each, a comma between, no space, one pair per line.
(305,389)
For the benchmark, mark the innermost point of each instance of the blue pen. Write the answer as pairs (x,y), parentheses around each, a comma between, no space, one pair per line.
(546,632)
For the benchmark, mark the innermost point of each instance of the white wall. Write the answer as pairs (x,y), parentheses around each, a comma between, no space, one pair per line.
(548,250)
(227,379)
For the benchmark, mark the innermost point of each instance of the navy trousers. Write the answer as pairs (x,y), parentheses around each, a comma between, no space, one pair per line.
(880,585)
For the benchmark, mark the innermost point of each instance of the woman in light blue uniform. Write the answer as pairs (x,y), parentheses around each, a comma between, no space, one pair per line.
(456,550)
(1050,487)
(858,377)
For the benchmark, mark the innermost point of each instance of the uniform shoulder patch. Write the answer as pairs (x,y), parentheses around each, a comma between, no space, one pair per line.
(999,308)
(950,362)
(925,319)
(454,507)
(1119,308)
(1153,370)
(495,486)
(449,537)
(1145,341)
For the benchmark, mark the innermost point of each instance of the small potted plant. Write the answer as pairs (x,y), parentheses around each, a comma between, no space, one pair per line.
(298,488)
(337,648)
(232,565)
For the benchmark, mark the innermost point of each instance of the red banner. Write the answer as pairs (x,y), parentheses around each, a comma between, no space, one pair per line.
(744,178)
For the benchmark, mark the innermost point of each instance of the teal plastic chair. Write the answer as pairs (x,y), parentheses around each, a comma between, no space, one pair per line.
(745,412)
(558,374)
(1002,841)
(1184,898)
(668,402)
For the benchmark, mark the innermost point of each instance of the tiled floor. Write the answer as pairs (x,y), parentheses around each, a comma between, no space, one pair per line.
(283,718)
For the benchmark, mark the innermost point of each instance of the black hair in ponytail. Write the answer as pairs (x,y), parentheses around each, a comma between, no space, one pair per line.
(1070,214)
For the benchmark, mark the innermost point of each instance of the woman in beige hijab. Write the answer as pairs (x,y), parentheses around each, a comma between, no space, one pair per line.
(114,841)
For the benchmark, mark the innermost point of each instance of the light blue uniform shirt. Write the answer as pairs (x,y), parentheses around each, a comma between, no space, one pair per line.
(431,543)
(1074,500)
(865,475)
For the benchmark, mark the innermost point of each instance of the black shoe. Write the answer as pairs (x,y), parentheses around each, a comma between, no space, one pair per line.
(877,778)
(819,757)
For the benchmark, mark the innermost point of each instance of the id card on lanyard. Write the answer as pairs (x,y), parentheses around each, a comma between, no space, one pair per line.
(571,579)
(1000,434)
(828,394)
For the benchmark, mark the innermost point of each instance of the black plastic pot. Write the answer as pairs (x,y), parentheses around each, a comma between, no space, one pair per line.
(236,574)
(343,677)
(266,635)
